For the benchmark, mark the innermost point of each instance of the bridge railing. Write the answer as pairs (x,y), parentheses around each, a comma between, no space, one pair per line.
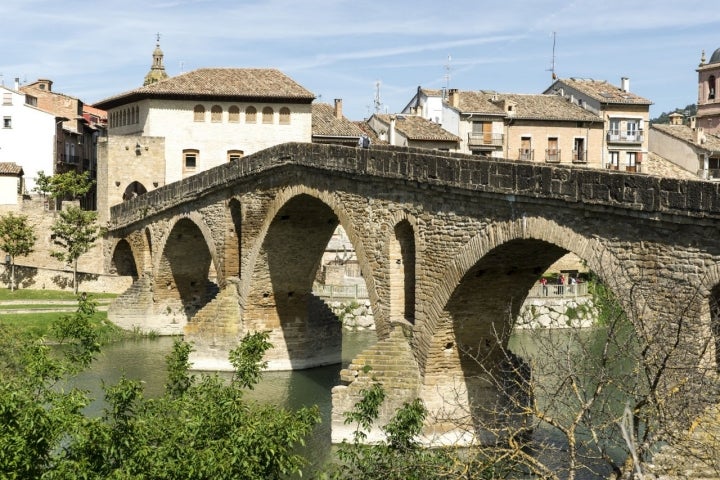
(574,185)
(341,292)
(558,291)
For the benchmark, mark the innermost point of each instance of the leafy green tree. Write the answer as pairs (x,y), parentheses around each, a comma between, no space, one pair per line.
(17,239)
(200,428)
(70,185)
(42,183)
(75,231)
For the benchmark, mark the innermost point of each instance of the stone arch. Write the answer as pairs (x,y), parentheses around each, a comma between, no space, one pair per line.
(233,243)
(491,258)
(402,272)
(184,268)
(133,190)
(123,260)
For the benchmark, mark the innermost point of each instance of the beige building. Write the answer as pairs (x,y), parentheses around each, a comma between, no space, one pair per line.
(687,146)
(413,131)
(11,183)
(179,126)
(625,118)
(708,104)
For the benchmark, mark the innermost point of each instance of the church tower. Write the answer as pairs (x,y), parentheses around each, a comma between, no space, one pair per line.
(157,70)
(708,105)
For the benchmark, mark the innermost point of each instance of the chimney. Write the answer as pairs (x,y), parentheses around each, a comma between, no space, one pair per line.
(699,135)
(17,84)
(391,138)
(338,108)
(454,97)
(625,84)
(692,122)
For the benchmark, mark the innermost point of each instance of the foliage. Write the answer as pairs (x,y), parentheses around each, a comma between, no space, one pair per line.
(42,183)
(75,232)
(17,239)
(70,185)
(400,456)
(201,428)
(689,111)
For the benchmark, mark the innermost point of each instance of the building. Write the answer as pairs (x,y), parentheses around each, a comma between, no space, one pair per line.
(708,104)
(427,103)
(11,183)
(413,131)
(624,114)
(688,146)
(329,125)
(176,127)
(28,135)
(75,145)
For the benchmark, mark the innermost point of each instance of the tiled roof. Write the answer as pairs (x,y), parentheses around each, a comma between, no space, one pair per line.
(430,92)
(602,91)
(527,106)
(227,83)
(688,135)
(419,128)
(367,130)
(324,122)
(10,168)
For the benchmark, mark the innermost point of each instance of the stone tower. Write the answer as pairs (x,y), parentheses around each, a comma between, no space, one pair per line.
(157,70)
(708,105)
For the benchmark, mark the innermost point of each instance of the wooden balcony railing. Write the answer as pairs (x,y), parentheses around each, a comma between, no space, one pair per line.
(485,139)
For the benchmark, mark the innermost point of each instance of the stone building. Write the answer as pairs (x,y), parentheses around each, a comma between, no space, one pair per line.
(625,117)
(708,104)
(176,127)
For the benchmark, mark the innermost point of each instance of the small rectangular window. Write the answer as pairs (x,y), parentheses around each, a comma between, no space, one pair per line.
(7,98)
(190,160)
(7,122)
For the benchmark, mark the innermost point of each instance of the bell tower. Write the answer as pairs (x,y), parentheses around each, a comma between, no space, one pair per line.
(157,70)
(708,104)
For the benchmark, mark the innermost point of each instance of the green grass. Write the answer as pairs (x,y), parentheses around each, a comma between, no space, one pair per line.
(38,306)
(39,324)
(27,294)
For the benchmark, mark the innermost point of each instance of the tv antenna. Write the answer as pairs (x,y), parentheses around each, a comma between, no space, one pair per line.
(552,65)
(447,72)
(377,102)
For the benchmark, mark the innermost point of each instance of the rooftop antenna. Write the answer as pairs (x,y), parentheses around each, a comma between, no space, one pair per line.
(182,66)
(552,67)
(378,103)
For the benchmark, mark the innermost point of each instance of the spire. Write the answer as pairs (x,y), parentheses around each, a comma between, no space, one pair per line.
(157,70)
(702,58)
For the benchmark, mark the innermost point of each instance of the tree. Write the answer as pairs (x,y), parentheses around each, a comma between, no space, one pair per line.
(17,239)
(75,231)
(42,183)
(71,184)
(200,428)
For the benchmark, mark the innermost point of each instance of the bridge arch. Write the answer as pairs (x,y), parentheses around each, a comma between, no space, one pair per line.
(184,268)
(123,260)
(282,266)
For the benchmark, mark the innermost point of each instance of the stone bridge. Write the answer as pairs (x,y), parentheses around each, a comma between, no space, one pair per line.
(449,246)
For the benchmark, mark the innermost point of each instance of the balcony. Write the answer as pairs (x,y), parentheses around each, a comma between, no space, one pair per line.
(552,155)
(70,159)
(624,136)
(485,139)
(527,154)
(579,156)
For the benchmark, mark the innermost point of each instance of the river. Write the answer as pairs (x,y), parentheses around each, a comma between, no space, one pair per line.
(144,359)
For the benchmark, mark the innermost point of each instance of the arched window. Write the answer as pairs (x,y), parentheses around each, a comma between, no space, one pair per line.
(234,155)
(250,115)
(216,114)
(234,114)
(711,87)
(284,116)
(267,115)
(199,113)
(137,114)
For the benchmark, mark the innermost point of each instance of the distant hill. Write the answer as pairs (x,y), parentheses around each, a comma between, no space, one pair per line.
(688,111)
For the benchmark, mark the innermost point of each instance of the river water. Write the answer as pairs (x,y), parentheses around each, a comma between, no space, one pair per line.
(144,360)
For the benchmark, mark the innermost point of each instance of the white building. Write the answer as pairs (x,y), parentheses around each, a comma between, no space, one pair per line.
(27,135)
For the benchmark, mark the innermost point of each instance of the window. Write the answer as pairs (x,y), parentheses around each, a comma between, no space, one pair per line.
(525,149)
(234,155)
(233,114)
(553,152)
(614,160)
(614,131)
(190,159)
(7,98)
(579,152)
(711,87)
(631,159)
(7,122)
(250,115)
(199,113)
(216,114)
(267,115)
(284,116)
(632,129)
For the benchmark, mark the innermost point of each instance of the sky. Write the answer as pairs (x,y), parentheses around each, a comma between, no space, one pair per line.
(355,50)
